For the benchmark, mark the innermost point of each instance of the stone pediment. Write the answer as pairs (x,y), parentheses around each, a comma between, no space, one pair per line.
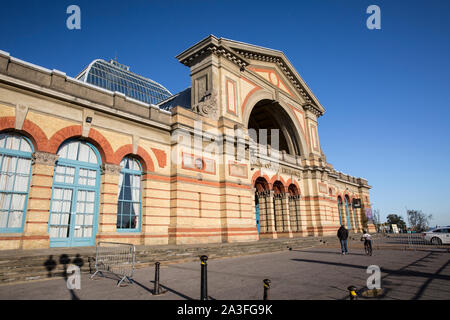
(273,76)
(271,65)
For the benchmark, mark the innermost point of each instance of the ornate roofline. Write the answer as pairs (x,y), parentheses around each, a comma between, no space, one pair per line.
(240,52)
(210,45)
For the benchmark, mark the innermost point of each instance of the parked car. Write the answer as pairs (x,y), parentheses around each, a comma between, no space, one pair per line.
(437,236)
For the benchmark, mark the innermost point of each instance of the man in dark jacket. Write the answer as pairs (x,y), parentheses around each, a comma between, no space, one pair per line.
(343,236)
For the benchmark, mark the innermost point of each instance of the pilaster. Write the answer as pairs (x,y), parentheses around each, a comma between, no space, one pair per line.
(35,233)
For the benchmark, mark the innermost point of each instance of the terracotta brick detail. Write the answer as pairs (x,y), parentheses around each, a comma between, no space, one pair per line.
(29,129)
(61,135)
(142,155)
(161,157)
(102,144)
(289,182)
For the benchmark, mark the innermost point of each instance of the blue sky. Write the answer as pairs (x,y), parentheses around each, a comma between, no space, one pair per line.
(386,92)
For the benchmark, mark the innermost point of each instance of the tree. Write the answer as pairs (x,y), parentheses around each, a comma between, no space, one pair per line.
(418,220)
(398,220)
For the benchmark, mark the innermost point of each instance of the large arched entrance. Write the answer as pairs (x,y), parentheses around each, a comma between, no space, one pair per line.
(269,115)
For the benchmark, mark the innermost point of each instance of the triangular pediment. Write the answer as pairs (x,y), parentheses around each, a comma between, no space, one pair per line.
(284,76)
(272,75)
(269,64)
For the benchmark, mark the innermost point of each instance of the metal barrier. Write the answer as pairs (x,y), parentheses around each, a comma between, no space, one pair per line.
(404,241)
(116,258)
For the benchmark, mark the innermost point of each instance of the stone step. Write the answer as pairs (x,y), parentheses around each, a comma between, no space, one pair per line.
(31,266)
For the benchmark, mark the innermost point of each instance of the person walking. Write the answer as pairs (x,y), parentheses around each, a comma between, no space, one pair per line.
(342,234)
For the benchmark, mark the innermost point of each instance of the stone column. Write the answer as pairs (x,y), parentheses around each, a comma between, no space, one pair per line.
(271,232)
(109,196)
(262,212)
(278,210)
(294,209)
(286,215)
(35,233)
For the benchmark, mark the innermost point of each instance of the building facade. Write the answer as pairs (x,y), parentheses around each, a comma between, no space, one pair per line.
(235,157)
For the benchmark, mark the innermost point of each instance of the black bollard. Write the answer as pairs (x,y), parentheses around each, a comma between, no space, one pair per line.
(204,279)
(266,289)
(352,293)
(156,289)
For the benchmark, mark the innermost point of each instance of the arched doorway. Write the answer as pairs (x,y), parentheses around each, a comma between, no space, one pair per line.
(269,115)
(262,196)
(75,195)
(294,207)
(279,208)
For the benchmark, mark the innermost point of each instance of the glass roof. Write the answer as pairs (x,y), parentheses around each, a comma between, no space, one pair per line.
(114,76)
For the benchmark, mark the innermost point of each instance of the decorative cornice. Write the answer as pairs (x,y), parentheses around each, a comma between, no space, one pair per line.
(239,52)
(287,72)
(312,108)
(112,169)
(218,50)
(45,158)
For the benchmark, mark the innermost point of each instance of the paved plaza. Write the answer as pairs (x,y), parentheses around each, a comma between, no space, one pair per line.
(312,273)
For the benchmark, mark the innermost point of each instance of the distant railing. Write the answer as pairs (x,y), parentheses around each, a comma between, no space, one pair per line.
(406,241)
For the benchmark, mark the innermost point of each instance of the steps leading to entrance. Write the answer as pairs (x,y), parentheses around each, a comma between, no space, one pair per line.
(17,266)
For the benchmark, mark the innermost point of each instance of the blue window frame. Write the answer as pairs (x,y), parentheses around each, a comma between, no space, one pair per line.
(15,171)
(130,192)
(347,211)
(354,215)
(340,210)
(75,195)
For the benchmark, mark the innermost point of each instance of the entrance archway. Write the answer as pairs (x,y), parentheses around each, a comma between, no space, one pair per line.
(270,115)
(262,196)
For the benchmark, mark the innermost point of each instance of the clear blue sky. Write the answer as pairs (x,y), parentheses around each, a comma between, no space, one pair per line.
(386,92)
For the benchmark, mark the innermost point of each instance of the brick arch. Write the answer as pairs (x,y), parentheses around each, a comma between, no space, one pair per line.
(278,187)
(293,189)
(29,129)
(257,174)
(275,178)
(344,194)
(95,137)
(261,184)
(62,135)
(102,144)
(142,155)
(294,182)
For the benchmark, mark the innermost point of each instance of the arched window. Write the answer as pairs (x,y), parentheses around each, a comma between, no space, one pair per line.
(129,203)
(347,212)
(340,210)
(15,171)
(75,195)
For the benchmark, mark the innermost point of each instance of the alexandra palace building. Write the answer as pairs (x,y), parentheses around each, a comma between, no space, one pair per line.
(111,155)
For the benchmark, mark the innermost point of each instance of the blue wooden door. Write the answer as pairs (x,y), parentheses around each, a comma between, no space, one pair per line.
(74,205)
(258,220)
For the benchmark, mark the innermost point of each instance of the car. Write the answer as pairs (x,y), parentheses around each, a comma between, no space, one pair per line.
(437,236)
